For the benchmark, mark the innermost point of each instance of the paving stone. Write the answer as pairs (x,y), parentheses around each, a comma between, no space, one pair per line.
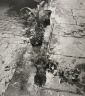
(78,12)
(69,35)
(82,4)
(80,20)
(7,36)
(71,46)
(66,48)
(67,62)
(69,4)
(54,93)
(9,43)
(65,19)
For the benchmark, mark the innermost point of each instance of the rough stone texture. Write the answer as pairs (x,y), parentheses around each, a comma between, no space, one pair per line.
(11,45)
(67,44)
(66,47)
(69,31)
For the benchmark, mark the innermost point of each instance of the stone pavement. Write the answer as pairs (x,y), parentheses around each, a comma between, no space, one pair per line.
(68,37)
(69,32)
(11,44)
(66,47)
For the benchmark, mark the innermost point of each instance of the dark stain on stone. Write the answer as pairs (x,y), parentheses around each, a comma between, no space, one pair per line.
(40,79)
(82,25)
(7,68)
(2,62)
(80,30)
(81,67)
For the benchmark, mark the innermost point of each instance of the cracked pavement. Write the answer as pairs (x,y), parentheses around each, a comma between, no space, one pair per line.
(67,46)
